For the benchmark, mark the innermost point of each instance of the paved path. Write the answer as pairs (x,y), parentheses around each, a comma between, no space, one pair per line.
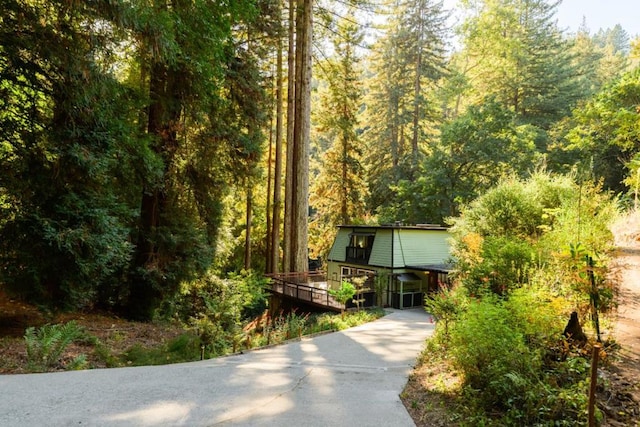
(349,378)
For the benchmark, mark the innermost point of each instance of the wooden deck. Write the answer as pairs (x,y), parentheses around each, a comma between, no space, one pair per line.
(310,288)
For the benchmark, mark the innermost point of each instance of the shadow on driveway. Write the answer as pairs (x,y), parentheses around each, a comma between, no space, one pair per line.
(353,377)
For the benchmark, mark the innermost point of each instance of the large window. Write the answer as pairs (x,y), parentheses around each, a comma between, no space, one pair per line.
(359,248)
(347,273)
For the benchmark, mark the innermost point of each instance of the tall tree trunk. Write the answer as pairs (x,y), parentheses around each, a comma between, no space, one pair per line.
(299,237)
(344,209)
(268,268)
(274,252)
(162,124)
(247,234)
(296,258)
(393,106)
(268,258)
(416,113)
(289,188)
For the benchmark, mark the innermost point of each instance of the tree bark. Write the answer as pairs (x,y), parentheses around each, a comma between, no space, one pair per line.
(288,202)
(268,268)
(416,110)
(162,123)
(274,252)
(299,237)
(247,235)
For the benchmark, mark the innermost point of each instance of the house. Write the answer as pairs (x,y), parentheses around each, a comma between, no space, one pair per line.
(411,260)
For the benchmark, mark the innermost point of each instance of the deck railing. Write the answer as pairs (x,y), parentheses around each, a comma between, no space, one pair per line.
(310,287)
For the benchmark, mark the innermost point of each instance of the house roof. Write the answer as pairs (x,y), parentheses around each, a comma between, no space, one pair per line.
(408,277)
(396,226)
(444,268)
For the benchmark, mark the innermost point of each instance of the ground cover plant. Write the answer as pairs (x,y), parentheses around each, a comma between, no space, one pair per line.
(34,341)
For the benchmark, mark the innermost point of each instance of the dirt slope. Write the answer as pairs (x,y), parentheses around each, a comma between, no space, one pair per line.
(626,330)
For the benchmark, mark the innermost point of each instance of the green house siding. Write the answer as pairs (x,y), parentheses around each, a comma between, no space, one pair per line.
(339,249)
(417,247)
(409,256)
(381,251)
(398,250)
(393,247)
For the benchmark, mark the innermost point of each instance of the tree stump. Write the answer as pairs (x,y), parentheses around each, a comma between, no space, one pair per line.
(573,330)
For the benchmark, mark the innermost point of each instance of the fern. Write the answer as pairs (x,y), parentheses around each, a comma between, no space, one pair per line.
(46,344)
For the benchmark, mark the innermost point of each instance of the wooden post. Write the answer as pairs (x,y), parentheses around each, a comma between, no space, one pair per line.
(594,381)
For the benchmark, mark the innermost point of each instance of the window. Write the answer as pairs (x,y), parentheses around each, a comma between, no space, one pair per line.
(361,241)
(348,272)
(359,248)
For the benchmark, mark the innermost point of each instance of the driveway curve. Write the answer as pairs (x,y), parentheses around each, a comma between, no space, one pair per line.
(353,377)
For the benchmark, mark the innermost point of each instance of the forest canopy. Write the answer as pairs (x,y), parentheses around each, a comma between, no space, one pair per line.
(147,145)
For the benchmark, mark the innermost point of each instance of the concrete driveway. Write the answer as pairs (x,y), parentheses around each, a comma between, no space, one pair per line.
(353,378)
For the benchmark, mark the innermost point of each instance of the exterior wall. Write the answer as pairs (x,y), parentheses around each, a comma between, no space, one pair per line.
(381,251)
(334,272)
(409,246)
(333,275)
(398,252)
(417,247)
(339,249)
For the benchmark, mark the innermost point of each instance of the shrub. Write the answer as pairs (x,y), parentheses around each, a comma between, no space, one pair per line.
(46,345)
(503,265)
(328,321)
(502,347)
(344,293)
(446,305)
(490,351)
(184,348)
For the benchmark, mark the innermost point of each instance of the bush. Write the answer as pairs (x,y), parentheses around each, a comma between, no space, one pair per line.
(46,345)
(332,322)
(520,249)
(490,351)
(503,265)
(184,348)
(502,347)
(446,305)
(344,293)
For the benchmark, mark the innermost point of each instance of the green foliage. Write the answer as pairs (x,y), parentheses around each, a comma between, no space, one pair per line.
(539,313)
(518,54)
(46,345)
(402,110)
(216,308)
(121,130)
(338,192)
(592,292)
(515,255)
(504,266)
(67,136)
(344,293)
(605,132)
(380,284)
(582,214)
(291,325)
(501,347)
(446,305)
(508,209)
(487,348)
(477,149)
(518,225)
(333,322)
(231,300)
(184,348)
